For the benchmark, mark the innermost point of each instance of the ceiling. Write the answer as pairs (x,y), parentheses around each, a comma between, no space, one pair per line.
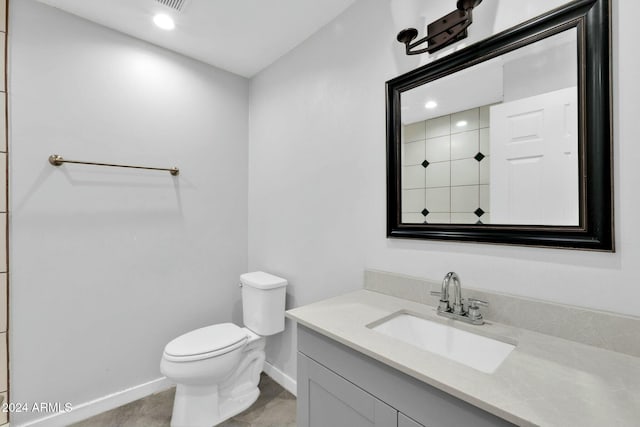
(240,36)
(473,87)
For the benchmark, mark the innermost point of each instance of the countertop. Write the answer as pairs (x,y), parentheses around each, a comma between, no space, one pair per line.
(545,381)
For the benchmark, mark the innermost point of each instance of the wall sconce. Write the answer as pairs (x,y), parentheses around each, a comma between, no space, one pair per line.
(441,32)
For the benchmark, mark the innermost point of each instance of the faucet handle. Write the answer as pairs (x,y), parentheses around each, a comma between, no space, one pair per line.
(443,305)
(473,309)
(475,303)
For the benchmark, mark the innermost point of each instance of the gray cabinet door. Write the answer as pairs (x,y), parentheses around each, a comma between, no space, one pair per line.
(404,421)
(327,399)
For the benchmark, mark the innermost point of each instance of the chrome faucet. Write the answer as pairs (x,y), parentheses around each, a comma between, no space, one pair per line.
(456,310)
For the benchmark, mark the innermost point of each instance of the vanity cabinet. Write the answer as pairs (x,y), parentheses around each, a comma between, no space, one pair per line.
(330,400)
(341,387)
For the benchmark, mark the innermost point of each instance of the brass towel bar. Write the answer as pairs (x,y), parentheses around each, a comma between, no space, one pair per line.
(57,160)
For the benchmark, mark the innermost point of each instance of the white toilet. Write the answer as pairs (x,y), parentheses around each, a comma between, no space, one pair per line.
(217,368)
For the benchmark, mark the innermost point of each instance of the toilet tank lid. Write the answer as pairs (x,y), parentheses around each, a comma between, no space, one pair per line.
(262,280)
(223,336)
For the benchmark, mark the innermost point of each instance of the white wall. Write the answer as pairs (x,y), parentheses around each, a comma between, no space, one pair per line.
(108,265)
(317,175)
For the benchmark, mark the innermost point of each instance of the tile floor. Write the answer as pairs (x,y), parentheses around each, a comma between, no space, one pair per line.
(275,407)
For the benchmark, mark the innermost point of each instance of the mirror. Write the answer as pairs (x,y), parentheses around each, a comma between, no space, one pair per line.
(504,153)
(508,140)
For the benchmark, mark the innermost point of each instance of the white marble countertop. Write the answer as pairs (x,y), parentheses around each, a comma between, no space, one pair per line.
(545,381)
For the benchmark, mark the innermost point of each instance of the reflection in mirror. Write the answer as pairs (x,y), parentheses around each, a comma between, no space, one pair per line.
(495,143)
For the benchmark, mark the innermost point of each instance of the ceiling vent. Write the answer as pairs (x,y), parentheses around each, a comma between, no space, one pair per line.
(177,5)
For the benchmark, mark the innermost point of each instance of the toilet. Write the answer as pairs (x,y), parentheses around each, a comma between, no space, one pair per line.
(217,368)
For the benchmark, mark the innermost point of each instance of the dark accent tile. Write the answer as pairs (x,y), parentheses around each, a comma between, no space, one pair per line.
(479,222)
(425,212)
(479,156)
(479,212)
(425,164)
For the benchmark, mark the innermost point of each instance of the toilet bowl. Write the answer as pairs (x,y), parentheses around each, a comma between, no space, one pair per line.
(217,368)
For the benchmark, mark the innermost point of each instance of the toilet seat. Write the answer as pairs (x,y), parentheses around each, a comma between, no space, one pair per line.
(207,342)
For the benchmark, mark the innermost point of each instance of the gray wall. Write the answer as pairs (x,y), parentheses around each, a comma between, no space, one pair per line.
(108,265)
(317,177)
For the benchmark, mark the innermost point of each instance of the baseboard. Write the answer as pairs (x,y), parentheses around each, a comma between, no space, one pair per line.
(89,409)
(280,377)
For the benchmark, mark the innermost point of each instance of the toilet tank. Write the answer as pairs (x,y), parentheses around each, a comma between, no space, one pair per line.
(263,297)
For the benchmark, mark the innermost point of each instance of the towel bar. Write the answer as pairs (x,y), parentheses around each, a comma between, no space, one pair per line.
(57,160)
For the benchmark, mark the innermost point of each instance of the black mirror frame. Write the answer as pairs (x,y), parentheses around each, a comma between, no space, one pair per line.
(592,20)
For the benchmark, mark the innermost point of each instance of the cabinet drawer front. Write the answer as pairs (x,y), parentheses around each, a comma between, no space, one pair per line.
(404,421)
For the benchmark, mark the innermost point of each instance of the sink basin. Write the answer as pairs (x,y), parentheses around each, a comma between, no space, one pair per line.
(476,351)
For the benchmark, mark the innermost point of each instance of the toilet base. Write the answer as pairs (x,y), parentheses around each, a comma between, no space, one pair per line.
(195,406)
(206,405)
(234,405)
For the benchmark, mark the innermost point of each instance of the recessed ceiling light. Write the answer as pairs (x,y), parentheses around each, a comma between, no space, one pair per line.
(461,123)
(164,21)
(431,104)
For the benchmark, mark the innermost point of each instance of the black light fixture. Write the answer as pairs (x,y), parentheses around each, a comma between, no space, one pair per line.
(441,32)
